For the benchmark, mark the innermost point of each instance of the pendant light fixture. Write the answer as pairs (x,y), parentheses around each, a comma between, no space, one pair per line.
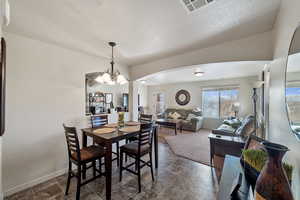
(112,77)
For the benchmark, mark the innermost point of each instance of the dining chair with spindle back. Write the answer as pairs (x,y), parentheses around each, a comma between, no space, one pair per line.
(137,150)
(81,157)
(100,121)
(143,118)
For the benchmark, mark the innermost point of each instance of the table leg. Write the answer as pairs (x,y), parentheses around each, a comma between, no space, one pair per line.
(108,166)
(156,146)
(175,129)
(84,144)
(211,151)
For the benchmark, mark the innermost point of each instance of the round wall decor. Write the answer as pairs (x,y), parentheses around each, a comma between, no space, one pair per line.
(182,97)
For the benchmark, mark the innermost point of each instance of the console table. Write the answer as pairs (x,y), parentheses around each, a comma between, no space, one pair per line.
(232,168)
(225,145)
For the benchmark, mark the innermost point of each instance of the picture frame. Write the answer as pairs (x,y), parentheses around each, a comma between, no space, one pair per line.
(108,98)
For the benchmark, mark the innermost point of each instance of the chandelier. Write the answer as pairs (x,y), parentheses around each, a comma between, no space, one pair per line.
(111,77)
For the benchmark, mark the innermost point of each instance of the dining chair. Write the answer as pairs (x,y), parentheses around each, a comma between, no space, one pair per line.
(137,150)
(81,157)
(144,118)
(100,121)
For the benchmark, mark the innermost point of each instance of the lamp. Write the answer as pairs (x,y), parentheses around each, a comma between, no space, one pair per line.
(111,77)
(236,108)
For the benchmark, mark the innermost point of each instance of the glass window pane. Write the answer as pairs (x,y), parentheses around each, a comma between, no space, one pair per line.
(293,104)
(210,103)
(160,103)
(227,100)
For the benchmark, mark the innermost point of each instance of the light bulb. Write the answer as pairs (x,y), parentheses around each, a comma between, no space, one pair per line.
(99,79)
(106,77)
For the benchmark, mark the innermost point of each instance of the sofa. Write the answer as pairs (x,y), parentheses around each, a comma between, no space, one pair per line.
(192,120)
(236,128)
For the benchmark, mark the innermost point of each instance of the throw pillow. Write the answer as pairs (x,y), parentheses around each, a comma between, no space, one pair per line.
(170,115)
(176,115)
(226,128)
(234,123)
(190,117)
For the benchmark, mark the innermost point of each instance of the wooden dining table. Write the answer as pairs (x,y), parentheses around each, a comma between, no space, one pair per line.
(107,139)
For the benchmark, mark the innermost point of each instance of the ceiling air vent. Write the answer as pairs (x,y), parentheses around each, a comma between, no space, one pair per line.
(192,5)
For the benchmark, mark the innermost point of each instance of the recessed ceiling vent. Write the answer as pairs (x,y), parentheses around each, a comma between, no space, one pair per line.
(193,5)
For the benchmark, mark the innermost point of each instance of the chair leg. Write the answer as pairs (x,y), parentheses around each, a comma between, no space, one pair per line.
(78,183)
(151,166)
(118,154)
(69,178)
(121,166)
(139,172)
(126,157)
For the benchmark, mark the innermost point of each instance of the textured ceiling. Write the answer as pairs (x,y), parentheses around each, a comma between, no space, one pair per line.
(211,71)
(146,30)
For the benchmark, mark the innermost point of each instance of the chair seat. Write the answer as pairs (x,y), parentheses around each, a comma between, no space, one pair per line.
(133,147)
(90,153)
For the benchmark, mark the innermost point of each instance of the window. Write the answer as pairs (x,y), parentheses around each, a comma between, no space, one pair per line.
(160,103)
(293,104)
(219,103)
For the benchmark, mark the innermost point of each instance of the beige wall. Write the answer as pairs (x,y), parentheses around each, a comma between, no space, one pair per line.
(45,87)
(256,47)
(195,89)
(287,20)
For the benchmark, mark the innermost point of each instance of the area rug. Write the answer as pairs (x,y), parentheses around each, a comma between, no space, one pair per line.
(193,146)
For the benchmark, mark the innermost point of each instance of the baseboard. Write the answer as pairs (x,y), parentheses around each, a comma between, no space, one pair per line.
(32,183)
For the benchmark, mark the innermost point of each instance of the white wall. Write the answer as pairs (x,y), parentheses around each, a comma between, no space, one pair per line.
(195,89)
(287,20)
(256,47)
(45,87)
(138,88)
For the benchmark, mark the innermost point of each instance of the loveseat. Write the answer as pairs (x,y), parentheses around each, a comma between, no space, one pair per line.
(192,120)
(235,127)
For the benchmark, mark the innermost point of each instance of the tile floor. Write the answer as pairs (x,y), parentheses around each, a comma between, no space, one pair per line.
(176,179)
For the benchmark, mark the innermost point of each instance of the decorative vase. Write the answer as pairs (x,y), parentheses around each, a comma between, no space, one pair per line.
(272,183)
(121,119)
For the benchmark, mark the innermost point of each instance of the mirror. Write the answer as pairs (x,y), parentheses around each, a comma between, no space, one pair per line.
(103,98)
(292,89)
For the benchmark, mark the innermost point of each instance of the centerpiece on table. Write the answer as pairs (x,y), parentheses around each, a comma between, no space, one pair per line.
(121,117)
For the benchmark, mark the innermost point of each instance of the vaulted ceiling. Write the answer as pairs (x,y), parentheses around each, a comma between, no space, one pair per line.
(146,30)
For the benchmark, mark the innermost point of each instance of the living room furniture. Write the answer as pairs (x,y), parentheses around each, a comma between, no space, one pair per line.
(231,169)
(191,120)
(137,150)
(144,118)
(170,123)
(229,128)
(80,157)
(221,145)
(108,139)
